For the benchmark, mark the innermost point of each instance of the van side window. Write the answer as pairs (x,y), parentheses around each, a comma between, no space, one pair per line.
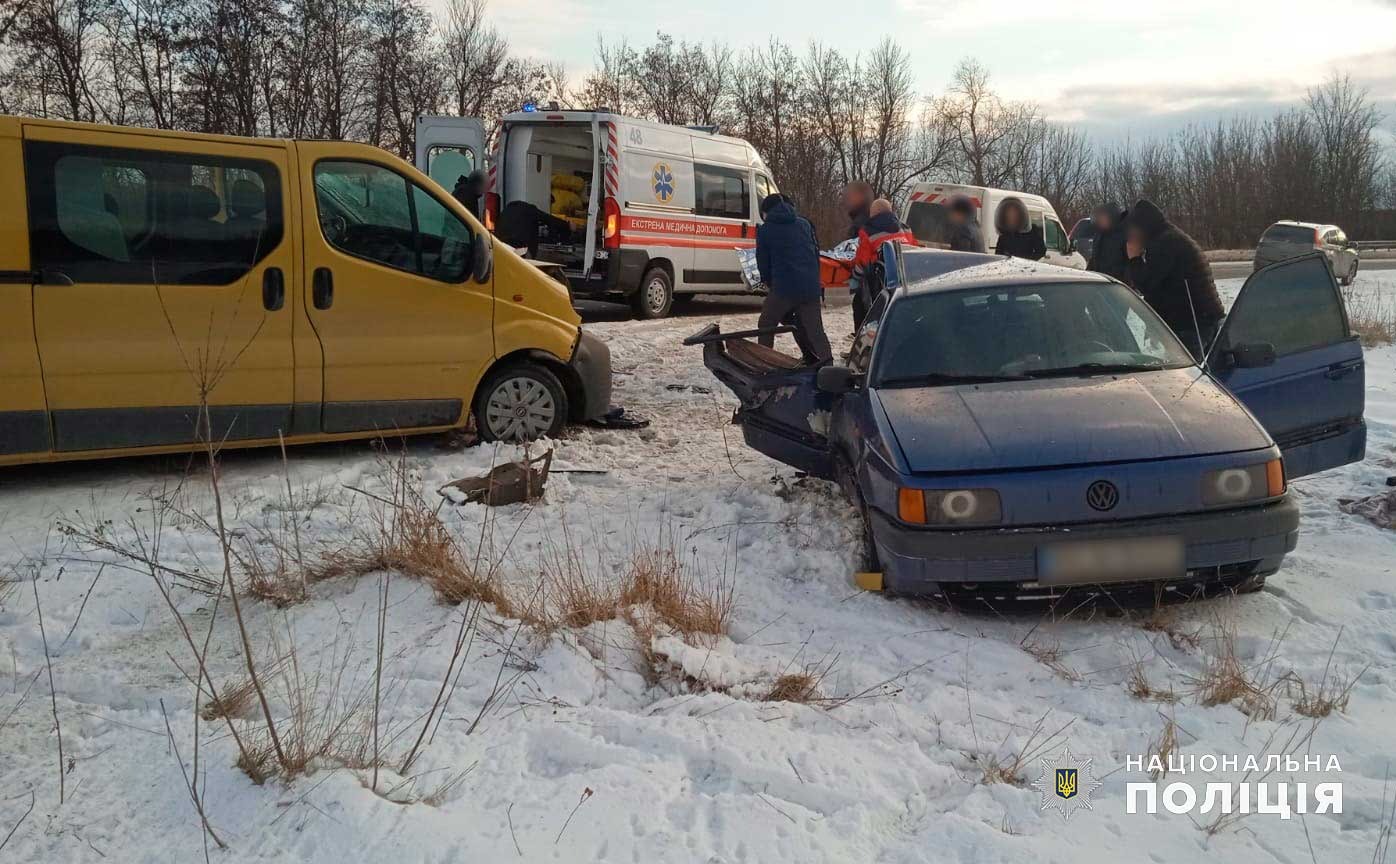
(1056,237)
(100,214)
(375,213)
(764,187)
(720,192)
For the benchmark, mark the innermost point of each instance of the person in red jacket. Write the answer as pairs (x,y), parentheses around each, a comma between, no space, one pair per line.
(882,227)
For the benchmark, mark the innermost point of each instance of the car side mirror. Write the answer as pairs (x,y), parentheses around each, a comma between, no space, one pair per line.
(1253,355)
(837,380)
(482,259)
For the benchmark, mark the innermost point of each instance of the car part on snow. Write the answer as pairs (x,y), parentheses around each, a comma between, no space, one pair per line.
(510,483)
(868,581)
(616,418)
(1379,509)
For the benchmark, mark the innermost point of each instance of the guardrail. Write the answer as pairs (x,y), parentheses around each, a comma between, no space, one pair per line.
(1374,245)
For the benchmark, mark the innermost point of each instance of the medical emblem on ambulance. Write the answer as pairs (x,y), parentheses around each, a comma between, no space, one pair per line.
(663,183)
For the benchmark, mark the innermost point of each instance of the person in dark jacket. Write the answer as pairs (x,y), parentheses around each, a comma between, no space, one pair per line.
(521,224)
(787,255)
(857,203)
(963,233)
(1168,269)
(1109,256)
(1018,237)
(468,191)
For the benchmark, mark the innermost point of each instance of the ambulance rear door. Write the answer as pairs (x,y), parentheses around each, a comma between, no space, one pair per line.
(449,148)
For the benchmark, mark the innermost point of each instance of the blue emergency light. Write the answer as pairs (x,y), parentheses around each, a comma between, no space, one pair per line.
(530,107)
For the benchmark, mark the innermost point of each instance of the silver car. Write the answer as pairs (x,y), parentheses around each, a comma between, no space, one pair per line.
(1285,240)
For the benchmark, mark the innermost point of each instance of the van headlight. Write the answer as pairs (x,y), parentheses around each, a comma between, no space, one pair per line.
(1249,483)
(949,506)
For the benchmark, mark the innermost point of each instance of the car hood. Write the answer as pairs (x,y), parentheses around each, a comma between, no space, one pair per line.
(1067,421)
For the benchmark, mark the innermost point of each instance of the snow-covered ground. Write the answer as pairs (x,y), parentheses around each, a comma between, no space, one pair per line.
(578,757)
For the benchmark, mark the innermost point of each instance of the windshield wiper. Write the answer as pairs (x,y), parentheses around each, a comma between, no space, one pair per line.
(1093,369)
(934,378)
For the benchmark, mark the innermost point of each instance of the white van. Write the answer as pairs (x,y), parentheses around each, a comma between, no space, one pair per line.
(672,205)
(925,215)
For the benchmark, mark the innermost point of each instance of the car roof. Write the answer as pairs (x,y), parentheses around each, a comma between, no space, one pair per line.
(930,271)
(1295,224)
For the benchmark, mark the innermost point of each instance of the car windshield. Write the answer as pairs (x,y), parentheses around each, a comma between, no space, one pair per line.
(1022,331)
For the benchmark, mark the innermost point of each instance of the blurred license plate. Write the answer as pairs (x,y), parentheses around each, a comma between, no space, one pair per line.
(1091,561)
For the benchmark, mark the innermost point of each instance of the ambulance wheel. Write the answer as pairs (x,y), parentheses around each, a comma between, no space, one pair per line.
(656,295)
(521,402)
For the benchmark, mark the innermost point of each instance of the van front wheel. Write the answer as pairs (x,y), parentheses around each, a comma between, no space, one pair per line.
(521,402)
(656,295)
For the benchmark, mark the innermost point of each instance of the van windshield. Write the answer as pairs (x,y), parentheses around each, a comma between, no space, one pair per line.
(928,222)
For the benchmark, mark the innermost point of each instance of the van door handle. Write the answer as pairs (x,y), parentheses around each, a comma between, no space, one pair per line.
(273,289)
(322,288)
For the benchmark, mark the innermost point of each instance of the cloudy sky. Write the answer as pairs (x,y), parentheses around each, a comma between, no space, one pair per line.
(1121,67)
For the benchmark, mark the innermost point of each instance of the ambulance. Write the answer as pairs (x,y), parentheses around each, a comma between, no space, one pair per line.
(647,212)
(925,214)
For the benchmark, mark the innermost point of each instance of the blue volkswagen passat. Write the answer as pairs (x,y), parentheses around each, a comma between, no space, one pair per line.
(1013,429)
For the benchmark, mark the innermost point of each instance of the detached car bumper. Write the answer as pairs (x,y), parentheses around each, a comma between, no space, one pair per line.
(591,360)
(918,561)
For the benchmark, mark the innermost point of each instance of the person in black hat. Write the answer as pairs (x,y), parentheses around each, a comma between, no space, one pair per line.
(1171,273)
(1108,256)
(470,188)
(964,226)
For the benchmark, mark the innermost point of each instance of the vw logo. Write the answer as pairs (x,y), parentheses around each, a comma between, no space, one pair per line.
(1102,495)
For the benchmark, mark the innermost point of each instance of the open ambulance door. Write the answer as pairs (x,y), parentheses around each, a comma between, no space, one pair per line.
(599,159)
(449,148)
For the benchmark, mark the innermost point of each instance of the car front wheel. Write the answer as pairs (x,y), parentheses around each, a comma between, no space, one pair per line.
(1351,277)
(521,402)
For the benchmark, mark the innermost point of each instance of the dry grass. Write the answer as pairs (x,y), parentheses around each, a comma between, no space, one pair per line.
(799,687)
(676,593)
(1164,748)
(1225,680)
(1139,686)
(328,715)
(1332,692)
(1050,654)
(1007,764)
(1165,620)
(1372,316)
(409,537)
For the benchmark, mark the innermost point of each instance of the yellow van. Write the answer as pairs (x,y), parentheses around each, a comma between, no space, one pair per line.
(310,290)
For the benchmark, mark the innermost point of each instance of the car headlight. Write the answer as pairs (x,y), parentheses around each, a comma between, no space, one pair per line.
(949,506)
(1248,483)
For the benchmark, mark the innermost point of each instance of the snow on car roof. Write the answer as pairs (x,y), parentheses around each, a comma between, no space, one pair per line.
(932,270)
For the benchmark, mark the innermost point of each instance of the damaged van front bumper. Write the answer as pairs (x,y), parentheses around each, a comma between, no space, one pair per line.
(591,361)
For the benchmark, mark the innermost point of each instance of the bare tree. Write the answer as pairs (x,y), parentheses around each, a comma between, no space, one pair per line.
(995,138)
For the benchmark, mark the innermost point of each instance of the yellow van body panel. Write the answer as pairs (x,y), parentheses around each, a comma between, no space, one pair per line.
(533,310)
(23,411)
(74,354)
